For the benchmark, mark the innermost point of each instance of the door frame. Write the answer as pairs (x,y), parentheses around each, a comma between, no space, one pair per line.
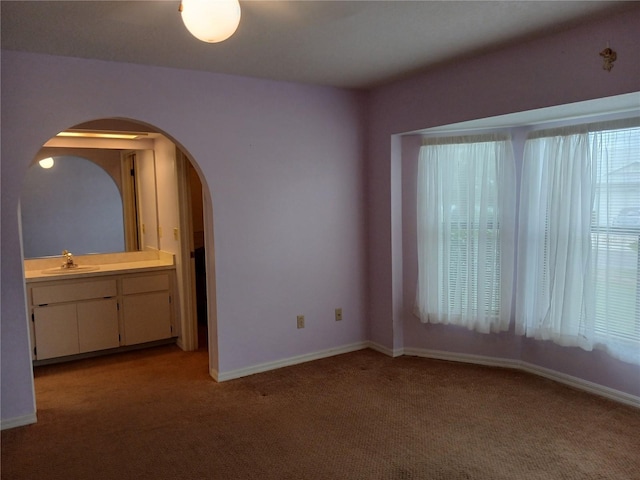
(189,324)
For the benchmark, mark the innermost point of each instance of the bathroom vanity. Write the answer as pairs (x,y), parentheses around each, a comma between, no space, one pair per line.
(109,303)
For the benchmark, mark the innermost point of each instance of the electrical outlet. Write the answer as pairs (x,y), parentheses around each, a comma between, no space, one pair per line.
(300,321)
(338,314)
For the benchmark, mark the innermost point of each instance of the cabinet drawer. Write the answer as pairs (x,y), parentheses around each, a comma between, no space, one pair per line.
(74,291)
(144,284)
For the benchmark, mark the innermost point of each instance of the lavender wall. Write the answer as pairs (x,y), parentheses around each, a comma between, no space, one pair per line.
(283,163)
(284,168)
(559,69)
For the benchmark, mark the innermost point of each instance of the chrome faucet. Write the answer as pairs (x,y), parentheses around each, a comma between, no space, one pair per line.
(68,259)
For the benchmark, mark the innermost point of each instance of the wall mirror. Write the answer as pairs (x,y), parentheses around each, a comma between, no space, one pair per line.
(92,200)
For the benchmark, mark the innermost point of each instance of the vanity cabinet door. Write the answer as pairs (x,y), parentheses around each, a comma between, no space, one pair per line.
(147,317)
(55,331)
(98,327)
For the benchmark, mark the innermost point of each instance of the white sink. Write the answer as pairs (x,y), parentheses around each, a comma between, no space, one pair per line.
(67,271)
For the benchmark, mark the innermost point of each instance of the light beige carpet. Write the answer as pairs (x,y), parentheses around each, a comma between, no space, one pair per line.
(156,414)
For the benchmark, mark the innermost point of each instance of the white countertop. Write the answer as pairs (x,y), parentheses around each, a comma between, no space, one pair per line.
(34,271)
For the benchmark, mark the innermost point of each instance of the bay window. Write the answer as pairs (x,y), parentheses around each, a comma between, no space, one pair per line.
(577,263)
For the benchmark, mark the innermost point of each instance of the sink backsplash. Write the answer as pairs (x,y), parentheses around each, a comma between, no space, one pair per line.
(97,259)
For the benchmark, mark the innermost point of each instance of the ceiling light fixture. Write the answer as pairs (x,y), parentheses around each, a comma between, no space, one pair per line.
(211,21)
(46,162)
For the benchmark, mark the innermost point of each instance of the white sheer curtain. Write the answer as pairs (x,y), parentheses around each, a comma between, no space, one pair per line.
(466,227)
(578,266)
(554,245)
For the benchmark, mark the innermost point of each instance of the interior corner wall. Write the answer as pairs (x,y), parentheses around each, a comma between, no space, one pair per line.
(283,163)
(397,268)
(558,69)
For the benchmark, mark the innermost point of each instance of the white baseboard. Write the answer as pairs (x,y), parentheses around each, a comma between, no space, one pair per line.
(18,421)
(581,384)
(569,380)
(463,357)
(398,352)
(286,362)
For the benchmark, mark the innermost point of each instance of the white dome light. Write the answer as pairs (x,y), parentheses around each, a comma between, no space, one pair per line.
(46,162)
(211,21)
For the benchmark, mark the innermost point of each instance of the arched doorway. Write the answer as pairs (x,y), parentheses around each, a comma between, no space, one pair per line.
(176,183)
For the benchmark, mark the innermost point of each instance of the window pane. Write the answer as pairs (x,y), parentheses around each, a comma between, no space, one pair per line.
(616,234)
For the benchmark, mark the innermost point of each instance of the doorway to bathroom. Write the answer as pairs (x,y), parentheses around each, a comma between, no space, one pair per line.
(173,184)
(200,254)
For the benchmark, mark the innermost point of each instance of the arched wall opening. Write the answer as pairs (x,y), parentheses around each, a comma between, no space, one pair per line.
(169,156)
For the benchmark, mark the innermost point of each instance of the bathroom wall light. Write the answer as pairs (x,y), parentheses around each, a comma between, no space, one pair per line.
(46,162)
(211,21)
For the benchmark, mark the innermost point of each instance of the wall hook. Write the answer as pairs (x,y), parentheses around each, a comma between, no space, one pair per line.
(608,57)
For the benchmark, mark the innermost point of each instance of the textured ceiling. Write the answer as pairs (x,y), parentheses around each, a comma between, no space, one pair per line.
(354,44)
